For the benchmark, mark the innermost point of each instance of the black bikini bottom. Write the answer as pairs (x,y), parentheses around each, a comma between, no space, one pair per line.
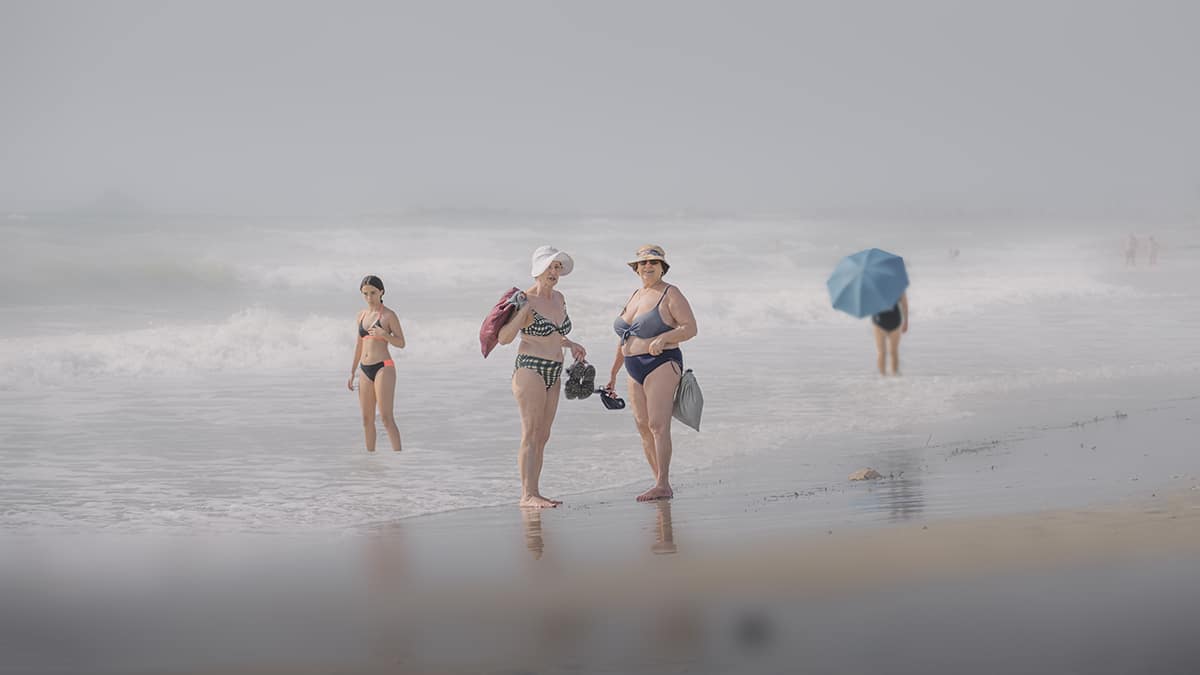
(372,369)
(889,320)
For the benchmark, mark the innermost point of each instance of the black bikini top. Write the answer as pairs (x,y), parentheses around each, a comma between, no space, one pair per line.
(362,332)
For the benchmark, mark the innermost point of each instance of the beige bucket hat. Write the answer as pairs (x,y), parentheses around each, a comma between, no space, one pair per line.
(650,252)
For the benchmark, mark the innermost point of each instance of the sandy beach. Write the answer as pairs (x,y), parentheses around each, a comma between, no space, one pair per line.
(784,573)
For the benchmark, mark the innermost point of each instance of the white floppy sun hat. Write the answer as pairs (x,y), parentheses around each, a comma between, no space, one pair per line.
(543,256)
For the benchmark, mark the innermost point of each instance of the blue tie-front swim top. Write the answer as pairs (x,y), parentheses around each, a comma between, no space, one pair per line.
(645,326)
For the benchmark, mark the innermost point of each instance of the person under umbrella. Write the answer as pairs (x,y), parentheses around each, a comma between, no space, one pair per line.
(873,283)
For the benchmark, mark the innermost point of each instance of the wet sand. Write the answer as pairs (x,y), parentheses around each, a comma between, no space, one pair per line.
(1061,548)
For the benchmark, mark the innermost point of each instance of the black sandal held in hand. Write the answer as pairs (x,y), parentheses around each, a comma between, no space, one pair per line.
(587,381)
(610,399)
(581,380)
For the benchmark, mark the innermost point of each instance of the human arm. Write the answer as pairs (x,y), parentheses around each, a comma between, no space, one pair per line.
(358,344)
(618,361)
(520,319)
(577,351)
(685,323)
(390,330)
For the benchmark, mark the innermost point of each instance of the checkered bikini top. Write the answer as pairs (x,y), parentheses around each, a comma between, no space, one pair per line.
(542,326)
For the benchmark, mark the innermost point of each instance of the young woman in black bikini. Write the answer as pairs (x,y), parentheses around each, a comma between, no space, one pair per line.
(654,321)
(887,337)
(377,327)
(543,324)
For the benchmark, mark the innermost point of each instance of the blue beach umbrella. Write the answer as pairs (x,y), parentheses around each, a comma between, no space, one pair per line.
(867,282)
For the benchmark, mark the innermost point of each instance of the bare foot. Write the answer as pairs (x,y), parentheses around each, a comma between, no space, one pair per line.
(538,502)
(656,492)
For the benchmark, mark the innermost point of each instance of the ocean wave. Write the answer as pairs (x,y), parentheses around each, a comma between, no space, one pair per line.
(257,338)
(248,340)
(254,340)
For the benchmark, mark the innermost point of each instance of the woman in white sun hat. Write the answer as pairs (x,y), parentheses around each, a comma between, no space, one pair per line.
(656,318)
(543,325)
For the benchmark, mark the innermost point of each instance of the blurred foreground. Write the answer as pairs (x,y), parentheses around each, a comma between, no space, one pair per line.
(1103,591)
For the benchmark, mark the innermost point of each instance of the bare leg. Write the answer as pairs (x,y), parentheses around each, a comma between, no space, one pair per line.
(893,339)
(641,418)
(366,400)
(660,386)
(530,391)
(385,393)
(880,349)
(543,437)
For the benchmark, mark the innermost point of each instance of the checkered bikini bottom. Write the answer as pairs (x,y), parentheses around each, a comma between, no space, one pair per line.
(549,370)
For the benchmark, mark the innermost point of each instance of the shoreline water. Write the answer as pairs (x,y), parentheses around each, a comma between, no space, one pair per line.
(170,412)
(819,460)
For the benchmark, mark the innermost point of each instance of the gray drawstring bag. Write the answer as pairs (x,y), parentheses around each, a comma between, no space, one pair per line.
(689,402)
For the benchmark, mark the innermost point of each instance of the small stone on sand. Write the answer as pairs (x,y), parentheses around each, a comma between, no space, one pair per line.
(865,474)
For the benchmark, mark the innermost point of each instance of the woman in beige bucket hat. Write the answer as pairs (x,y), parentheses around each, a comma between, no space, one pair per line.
(655,320)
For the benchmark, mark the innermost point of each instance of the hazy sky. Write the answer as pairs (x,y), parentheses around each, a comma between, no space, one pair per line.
(601,106)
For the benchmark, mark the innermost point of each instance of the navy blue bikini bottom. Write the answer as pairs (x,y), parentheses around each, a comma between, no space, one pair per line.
(641,365)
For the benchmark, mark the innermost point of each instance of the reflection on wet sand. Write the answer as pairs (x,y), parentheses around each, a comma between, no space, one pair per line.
(387,574)
(900,493)
(664,533)
(383,552)
(532,520)
(903,498)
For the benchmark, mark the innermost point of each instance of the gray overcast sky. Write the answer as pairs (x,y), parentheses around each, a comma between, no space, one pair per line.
(604,106)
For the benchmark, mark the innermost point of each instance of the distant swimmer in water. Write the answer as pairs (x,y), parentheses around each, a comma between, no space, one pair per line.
(889,326)
(543,324)
(656,318)
(377,327)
